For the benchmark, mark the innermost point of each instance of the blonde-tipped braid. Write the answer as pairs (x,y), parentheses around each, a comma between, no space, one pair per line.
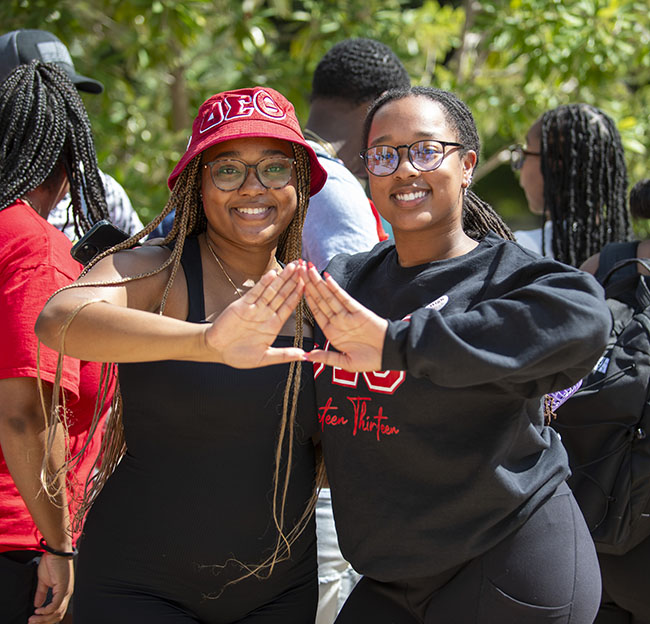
(289,249)
(190,220)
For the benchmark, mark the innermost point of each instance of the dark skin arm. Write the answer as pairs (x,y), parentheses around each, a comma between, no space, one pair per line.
(23,438)
(590,265)
(119,324)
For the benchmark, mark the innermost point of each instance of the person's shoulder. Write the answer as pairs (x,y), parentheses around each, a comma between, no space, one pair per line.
(109,181)
(516,251)
(344,267)
(339,174)
(139,260)
(530,239)
(28,240)
(119,206)
(509,247)
(590,265)
(516,259)
(643,250)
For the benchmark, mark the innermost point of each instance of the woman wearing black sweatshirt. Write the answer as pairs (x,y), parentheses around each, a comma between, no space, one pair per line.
(448,486)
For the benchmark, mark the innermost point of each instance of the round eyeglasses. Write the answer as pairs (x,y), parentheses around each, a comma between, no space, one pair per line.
(229,174)
(518,154)
(382,160)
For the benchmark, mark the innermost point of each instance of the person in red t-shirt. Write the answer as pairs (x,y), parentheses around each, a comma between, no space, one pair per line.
(47,148)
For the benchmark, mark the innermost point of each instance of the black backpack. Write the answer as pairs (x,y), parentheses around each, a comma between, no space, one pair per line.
(605,425)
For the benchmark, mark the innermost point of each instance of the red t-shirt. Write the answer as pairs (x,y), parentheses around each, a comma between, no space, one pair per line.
(35,261)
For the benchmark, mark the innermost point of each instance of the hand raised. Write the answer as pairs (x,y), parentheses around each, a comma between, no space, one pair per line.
(243,333)
(355,331)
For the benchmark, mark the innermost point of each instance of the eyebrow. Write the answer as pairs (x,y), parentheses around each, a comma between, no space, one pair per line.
(237,154)
(382,140)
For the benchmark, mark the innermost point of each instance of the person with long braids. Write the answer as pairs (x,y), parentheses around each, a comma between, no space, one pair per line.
(46,148)
(574,177)
(202,508)
(19,47)
(626,584)
(436,351)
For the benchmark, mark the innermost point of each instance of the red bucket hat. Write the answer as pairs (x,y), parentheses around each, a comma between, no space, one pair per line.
(256,112)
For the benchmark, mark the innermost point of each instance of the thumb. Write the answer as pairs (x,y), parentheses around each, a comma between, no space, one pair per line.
(41,593)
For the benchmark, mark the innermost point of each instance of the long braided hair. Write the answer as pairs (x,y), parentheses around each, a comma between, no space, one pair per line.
(43,126)
(479,217)
(585,181)
(190,220)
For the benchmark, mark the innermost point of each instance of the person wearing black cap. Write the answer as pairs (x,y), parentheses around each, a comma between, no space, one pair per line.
(19,47)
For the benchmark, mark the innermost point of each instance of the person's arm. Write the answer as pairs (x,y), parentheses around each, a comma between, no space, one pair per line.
(544,335)
(120,324)
(22,438)
(590,265)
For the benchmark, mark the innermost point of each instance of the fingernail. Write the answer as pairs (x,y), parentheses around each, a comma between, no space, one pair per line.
(326,274)
(311,265)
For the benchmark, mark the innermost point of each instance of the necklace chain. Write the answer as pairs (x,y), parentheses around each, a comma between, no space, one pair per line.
(214,255)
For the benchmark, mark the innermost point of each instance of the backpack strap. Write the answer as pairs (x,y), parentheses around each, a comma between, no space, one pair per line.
(642,292)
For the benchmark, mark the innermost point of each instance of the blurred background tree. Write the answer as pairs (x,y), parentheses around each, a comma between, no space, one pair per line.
(510,60)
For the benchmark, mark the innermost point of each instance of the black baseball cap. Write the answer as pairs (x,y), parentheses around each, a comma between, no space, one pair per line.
(19,47)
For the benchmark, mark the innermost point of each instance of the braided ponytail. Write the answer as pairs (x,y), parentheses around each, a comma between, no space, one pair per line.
(585,181)
(44,126)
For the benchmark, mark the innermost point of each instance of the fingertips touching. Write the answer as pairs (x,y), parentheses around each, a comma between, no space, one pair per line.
(317,356)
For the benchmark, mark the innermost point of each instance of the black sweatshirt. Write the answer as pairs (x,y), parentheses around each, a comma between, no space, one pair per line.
(445,453)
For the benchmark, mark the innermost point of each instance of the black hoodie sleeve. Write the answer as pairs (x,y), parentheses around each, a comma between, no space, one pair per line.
(545,333)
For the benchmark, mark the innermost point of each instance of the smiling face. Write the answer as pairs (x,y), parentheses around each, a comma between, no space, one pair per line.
(251,215)
(414,201)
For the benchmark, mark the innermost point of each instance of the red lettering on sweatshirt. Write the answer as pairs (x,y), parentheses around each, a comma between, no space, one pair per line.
(364,422)
(384,382)
(327,418)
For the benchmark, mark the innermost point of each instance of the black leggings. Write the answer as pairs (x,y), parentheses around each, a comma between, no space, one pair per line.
(123,604)
(297,605)
(547,571)
(626,587)
(18,582)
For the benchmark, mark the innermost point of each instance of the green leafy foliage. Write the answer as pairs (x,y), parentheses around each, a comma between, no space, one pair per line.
(510,60)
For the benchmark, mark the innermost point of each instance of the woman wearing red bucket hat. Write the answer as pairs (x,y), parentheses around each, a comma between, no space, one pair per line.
(202,505)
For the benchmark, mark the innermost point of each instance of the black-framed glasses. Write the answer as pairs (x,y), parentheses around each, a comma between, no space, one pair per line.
(518,154)
(427,155)
(229,174)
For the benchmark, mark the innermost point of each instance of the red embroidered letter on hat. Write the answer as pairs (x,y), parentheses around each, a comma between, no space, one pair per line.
(210,119)
(239,106)
(266,105)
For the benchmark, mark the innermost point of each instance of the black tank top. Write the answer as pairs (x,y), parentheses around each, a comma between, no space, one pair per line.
(195,486)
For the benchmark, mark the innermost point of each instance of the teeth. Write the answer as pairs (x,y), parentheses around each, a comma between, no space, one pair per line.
(251,211)
(410,196)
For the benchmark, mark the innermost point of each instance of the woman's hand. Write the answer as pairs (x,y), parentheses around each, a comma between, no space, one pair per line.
(356,332)
(57,574)
(243,333)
